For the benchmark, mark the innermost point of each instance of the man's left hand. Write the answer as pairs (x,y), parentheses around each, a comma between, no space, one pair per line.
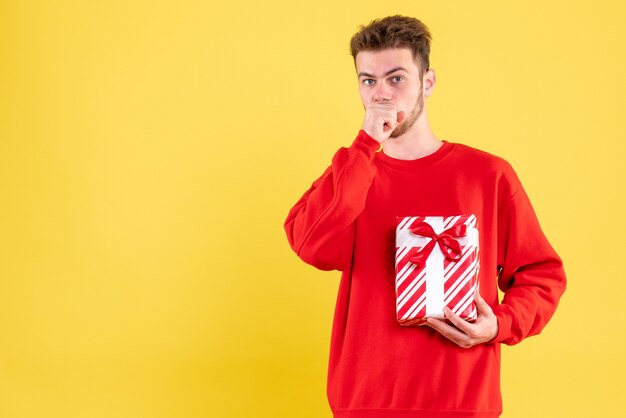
(467,334)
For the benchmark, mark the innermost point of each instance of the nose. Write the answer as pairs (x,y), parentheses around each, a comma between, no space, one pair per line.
(381,94)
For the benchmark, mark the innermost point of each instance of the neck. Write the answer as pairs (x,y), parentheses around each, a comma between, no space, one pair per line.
(417,142)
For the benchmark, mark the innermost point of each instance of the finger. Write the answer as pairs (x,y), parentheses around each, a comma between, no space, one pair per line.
(482,306)
(449,332)
(458,322)
(389,124)
(387,127)
(382,107)
(400,117)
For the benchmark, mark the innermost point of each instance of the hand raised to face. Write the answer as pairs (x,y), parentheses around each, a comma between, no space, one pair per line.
(381,118)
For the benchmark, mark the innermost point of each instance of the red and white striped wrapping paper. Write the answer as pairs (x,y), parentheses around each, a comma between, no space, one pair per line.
(424,287)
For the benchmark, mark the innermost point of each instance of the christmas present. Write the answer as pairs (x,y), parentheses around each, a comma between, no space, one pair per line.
(437,265)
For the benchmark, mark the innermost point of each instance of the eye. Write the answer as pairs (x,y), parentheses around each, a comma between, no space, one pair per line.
(397,79)
(369,82)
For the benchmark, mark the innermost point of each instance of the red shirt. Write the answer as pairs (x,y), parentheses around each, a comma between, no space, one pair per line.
(346,221)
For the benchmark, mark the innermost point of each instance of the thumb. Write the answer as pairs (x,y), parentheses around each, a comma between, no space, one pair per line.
(400,117)
(482,306)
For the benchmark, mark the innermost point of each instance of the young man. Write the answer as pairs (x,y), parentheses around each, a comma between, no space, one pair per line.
(347,220)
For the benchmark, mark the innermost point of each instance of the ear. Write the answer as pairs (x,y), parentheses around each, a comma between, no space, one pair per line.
(428,81)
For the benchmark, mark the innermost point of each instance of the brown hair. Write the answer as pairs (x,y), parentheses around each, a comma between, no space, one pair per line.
(394,32)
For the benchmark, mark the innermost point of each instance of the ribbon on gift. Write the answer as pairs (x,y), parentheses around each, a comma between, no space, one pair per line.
(450,247)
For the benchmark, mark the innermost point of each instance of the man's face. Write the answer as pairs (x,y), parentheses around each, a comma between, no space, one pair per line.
(392,76)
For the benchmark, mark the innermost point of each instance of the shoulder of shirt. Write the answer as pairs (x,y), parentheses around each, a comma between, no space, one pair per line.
(486,165)
(482,158)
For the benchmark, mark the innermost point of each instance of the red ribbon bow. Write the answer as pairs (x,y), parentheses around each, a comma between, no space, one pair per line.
(450,247)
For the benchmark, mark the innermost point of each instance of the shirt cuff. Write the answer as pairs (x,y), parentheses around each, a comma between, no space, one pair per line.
(505,323)
(366,143)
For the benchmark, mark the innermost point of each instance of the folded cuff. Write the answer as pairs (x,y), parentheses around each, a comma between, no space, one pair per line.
(366,143)
(505,324)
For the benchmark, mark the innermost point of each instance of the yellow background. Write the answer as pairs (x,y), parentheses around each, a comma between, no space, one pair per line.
(150,152)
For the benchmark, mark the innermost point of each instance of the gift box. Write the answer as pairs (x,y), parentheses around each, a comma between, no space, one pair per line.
(437,265)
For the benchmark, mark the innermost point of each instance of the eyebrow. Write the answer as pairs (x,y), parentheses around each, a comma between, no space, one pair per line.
(393,70)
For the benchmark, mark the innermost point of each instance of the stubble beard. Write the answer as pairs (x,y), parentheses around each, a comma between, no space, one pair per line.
(406,124)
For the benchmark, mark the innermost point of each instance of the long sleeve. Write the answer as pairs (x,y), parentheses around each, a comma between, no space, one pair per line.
(532,276)
(320,227)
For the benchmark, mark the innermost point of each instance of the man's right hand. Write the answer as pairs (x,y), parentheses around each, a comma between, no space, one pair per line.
(381,119)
